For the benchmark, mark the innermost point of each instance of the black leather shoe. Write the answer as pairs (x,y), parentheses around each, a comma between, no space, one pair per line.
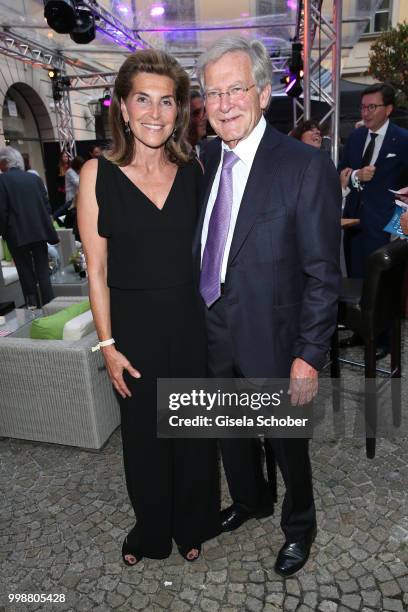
(351,341)
(382,351)
(234,516)
(293,555)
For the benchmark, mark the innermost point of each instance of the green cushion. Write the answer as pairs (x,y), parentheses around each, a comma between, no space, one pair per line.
(6,253)
(52,327)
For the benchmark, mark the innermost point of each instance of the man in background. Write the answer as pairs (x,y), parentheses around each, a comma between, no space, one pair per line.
(377,153)
(95,151)
(25,223)
(197,132)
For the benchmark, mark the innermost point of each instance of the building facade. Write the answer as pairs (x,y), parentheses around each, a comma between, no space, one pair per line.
(389,13)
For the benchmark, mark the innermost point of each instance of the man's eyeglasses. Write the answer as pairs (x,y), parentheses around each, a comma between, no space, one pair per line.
(234,94)
(370,107)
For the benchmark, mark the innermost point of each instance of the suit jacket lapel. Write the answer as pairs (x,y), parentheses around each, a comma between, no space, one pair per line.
(387,144)
(258,185)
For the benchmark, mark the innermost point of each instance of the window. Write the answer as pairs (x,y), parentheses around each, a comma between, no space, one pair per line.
(271,7)
(177,12)
(380,21)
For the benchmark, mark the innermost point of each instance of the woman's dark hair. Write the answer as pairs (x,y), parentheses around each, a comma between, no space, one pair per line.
(77,163)
(387,92)
(61,168)
(303,127)
(151,61)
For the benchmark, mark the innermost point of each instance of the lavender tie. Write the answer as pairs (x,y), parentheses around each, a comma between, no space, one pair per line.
(210,283)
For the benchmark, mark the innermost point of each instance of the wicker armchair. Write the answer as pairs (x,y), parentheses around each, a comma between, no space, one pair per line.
(55,390)
(10,288)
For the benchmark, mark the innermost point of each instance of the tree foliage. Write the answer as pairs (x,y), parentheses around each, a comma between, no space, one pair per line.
(389,59)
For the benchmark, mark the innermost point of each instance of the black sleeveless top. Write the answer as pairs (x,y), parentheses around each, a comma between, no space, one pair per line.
(148,248)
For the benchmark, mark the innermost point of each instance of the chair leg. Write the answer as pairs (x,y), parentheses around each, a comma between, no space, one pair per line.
(334,356)
(370,399)
(335,371)
(396,376)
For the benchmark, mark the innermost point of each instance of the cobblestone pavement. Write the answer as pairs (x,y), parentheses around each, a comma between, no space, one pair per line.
(64,513)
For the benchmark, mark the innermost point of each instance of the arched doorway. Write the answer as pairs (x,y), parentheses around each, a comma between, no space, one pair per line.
(26,123)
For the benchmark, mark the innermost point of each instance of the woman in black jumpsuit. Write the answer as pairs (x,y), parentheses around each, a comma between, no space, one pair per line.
(153,309)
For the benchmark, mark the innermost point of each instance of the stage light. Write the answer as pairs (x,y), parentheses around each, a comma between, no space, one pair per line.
(106,100)
(84,30)
(59,84)
(60,15)
(157,10)
(294,75)
(294,89)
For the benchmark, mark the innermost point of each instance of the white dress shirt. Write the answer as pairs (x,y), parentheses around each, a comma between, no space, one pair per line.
(245,150)
(377,146)
(71,184)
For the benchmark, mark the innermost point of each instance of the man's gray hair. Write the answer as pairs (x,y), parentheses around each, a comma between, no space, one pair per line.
(261,63)
(12,157)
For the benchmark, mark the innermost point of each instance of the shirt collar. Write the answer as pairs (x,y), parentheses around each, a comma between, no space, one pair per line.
(382,130)
(246,149)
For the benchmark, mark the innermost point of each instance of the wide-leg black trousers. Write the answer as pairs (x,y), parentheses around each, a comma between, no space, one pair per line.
(173,484)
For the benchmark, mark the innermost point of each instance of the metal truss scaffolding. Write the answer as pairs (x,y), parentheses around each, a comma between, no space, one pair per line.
(35,54)
(65,125)
(32,53)
(113,27)
(96,80)
(311,20)
(29,52)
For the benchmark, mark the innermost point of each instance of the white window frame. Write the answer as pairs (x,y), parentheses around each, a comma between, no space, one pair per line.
(371,24)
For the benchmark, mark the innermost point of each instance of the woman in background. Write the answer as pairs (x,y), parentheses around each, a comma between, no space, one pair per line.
(308,132)
(63,165)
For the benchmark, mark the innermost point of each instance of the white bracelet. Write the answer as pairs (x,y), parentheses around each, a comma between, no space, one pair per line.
(98,346)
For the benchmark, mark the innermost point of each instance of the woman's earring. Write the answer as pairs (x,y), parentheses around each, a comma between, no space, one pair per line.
(174,133)
(127,127)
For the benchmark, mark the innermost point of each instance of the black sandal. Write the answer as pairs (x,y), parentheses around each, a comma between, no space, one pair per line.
(184,550)
(127,551)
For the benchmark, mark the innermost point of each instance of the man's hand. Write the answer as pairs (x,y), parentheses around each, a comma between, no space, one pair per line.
(402,195)
(404,222)
(365,174)
(345,177)
(303,382)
